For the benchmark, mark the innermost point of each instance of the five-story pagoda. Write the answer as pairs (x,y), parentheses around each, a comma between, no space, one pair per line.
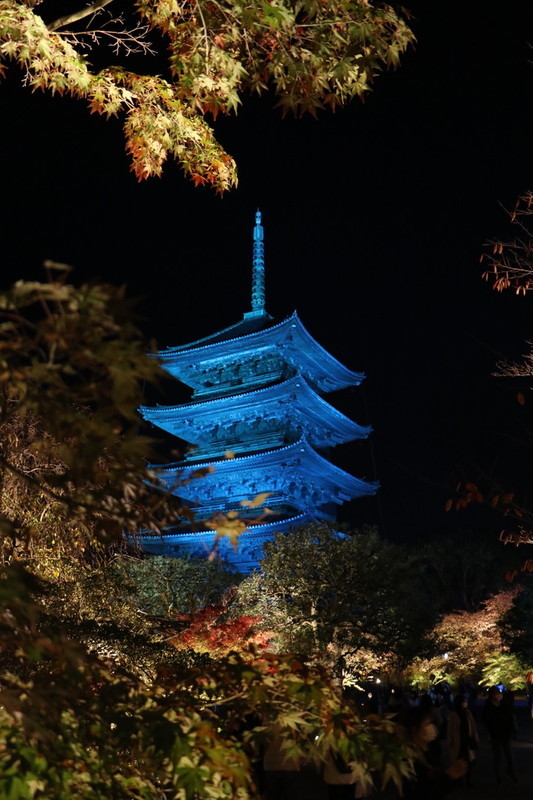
(257,423)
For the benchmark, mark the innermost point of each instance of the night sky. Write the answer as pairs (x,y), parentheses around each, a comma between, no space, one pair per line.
(374,221)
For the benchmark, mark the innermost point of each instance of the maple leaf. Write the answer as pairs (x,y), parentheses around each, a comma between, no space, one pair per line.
(258,500)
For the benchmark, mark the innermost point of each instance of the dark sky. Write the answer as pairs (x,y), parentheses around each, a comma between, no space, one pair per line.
(374,221)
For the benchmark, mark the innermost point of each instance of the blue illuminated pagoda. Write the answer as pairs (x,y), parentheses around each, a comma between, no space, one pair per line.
(257,423)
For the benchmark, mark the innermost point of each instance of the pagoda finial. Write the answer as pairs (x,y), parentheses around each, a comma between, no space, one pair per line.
(258,267)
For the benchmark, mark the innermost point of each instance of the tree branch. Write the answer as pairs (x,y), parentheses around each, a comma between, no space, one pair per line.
(77,15)
(41,487)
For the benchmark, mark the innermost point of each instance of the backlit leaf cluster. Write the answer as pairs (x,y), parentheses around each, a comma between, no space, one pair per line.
(311,53)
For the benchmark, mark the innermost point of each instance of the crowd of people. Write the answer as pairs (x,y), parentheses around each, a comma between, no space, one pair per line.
(442,729)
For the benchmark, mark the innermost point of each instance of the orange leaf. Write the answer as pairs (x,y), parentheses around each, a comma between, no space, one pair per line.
(258,500)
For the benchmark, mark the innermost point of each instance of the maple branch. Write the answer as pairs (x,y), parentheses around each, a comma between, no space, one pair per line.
(73,504)
(229,699)
(41,487)
(130,41)
(77,15)
(206,37)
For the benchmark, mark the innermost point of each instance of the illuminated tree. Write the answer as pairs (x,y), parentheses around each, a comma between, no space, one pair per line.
(504,668)
(212,631)
(462,643)
(129,609)
(164,587)
(335,598)
(517,623)
(311,54)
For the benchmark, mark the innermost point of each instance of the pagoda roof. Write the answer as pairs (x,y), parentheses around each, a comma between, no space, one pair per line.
(289,339)
(250,323)
(292,474)
(197,544)
(292,399)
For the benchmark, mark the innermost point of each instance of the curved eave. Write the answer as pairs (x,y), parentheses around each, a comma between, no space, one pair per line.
(197,536)
(176,474)
(343,376)
(307,404)
(329,373)
(245,557)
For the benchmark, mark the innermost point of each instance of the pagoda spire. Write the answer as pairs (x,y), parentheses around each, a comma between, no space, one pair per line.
(258,267)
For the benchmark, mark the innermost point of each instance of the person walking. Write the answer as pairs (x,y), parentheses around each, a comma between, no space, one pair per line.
(340,780)
(499,724)
(427,782)
(462,735)
(529,684)
(280,770)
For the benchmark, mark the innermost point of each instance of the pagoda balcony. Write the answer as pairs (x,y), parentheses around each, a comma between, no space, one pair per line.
(228,448)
